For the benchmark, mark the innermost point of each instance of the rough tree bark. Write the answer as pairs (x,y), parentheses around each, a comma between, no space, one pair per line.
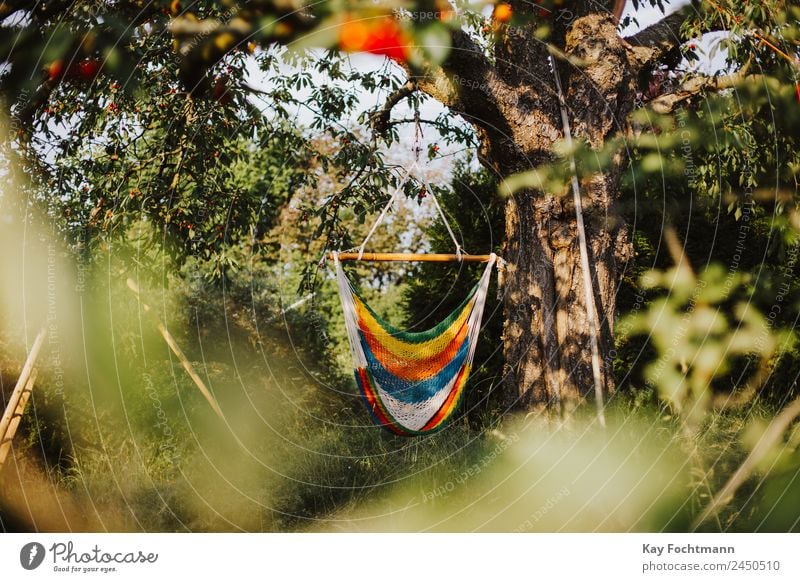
(511,102)
(546,339)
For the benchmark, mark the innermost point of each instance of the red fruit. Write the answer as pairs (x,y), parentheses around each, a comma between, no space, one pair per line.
(55,70)
(112,107)
(88,69)
(379,36)
(220,91)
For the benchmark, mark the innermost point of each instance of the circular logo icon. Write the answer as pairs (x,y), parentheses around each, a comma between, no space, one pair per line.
(31,555)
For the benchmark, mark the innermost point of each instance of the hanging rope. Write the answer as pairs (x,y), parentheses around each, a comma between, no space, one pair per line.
(429,189)
(584,251)
(381,217)
(459,250)
(418,135)
(426,188)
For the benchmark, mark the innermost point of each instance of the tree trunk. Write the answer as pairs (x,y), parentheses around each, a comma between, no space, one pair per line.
(547,333)
(513,104)
(546,336)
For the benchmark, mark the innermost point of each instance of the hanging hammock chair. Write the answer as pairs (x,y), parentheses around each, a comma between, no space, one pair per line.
(412,382)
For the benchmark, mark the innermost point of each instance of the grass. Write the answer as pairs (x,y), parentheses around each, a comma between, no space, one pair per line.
(130,445)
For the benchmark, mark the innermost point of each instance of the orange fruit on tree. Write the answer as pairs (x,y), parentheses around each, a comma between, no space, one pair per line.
(502,12)
(55,70)
(444,10)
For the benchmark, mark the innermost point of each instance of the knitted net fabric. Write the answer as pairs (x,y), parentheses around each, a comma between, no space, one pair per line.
(412,382)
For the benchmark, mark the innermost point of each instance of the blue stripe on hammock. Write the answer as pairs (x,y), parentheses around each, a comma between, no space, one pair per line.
(410,391)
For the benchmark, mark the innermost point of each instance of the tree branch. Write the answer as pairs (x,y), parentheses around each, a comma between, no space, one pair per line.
(379,120)
(657,40)
(469,85)
(463,79)
(695,85)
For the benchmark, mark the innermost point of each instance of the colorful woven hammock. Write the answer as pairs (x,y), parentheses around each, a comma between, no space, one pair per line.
(412,382)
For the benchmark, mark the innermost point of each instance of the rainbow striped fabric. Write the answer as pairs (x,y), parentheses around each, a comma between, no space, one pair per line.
(412,382)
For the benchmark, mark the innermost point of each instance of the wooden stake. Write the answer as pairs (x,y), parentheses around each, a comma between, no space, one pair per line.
(187,365)
(421,257)
(16,417)
(22,382)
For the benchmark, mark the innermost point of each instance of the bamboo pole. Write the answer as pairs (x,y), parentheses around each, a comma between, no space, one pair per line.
(22,382)
(418,257)
(16,417)
(187,365)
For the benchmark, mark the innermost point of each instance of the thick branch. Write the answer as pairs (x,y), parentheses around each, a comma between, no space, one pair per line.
(656,41)
(379,120)
(466,82)
(695,85)
(469,85)
(463,79)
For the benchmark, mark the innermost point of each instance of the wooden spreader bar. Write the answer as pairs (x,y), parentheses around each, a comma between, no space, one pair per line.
(423,257)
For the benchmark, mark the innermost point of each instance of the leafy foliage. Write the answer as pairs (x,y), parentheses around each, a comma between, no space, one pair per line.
(219,150)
